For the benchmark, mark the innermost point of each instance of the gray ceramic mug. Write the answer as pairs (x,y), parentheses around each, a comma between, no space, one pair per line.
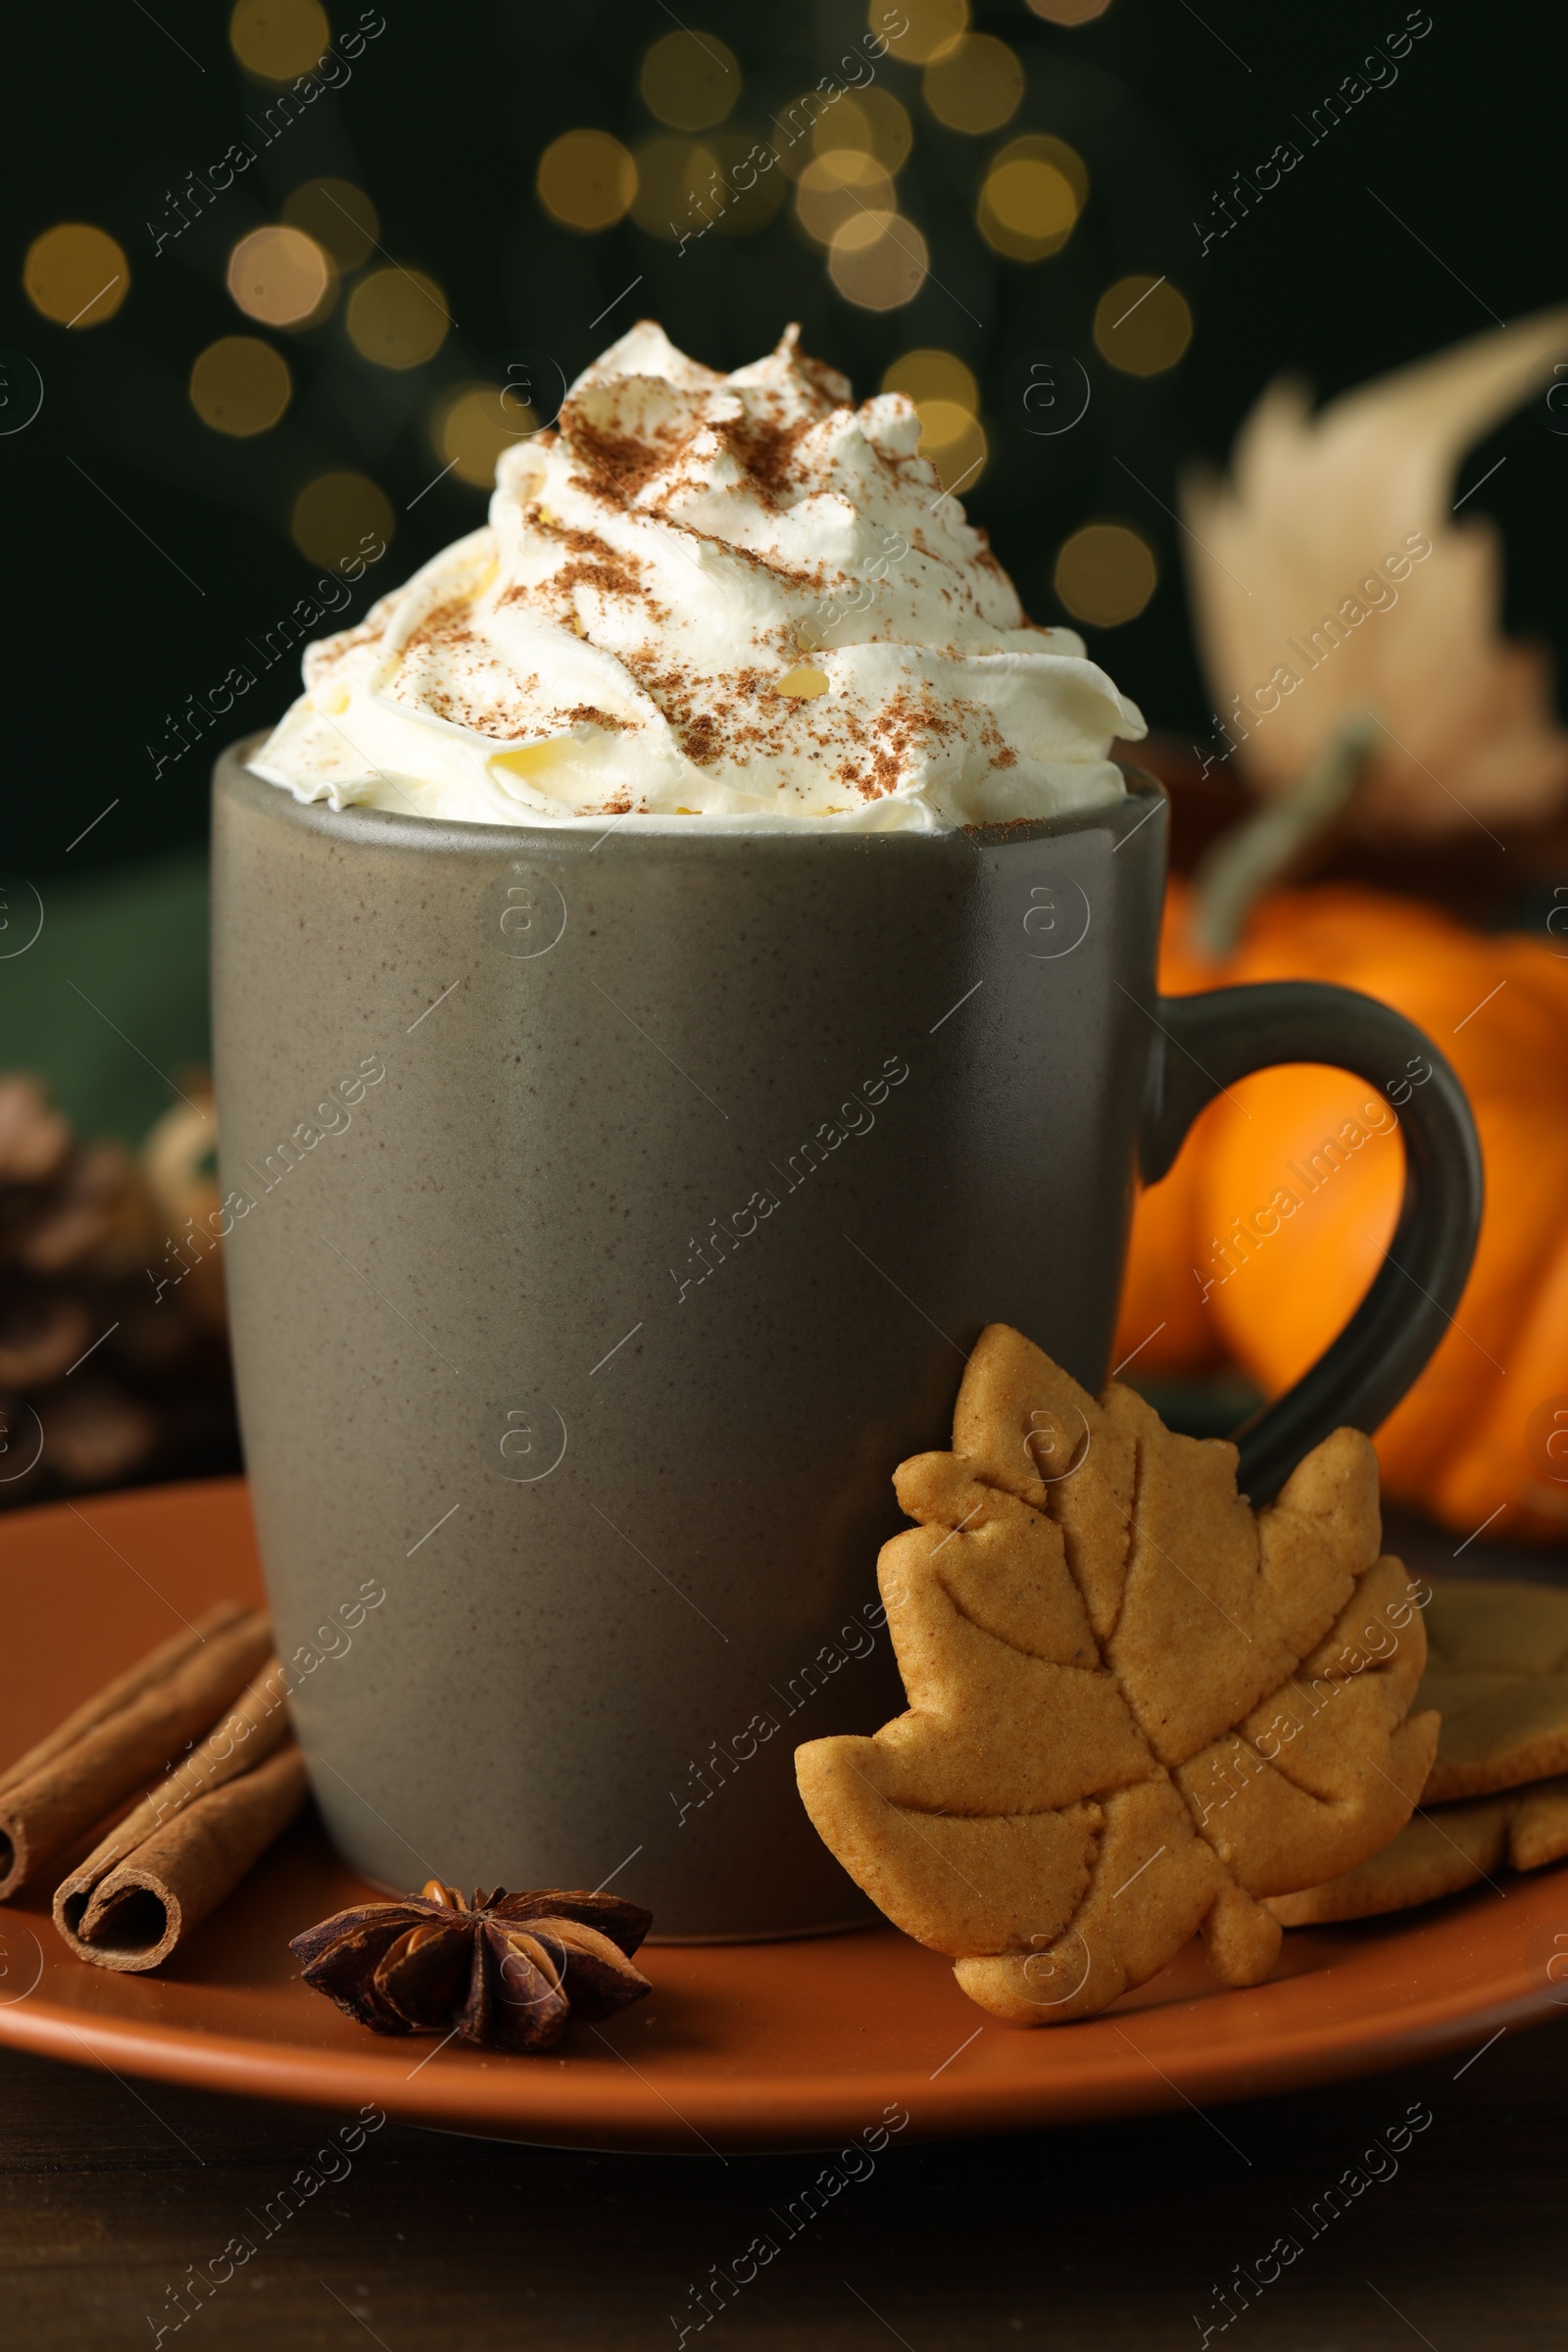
(610,1213)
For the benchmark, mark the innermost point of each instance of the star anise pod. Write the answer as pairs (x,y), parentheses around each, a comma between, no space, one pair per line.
(507,1970)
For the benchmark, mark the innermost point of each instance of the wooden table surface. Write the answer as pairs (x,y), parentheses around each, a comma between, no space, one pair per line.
(1108,2237)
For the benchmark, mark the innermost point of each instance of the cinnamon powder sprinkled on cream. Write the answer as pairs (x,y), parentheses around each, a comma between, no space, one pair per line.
(732,597)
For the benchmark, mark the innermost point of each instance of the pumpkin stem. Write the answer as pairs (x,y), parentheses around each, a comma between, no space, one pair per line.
(1255,853)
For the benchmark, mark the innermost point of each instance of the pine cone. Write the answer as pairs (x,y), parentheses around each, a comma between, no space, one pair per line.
(105,1378)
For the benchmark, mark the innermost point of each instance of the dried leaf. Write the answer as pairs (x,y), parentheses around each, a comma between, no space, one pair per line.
(1294,596)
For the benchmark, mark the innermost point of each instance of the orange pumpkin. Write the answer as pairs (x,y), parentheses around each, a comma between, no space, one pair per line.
(1483,1436)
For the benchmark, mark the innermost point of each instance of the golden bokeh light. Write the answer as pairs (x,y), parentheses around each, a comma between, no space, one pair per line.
(690,80)
(955,441)
(745,210)
(474,424)
(841,187)
(929,28)
(1142,325)
(1067,161)
(802,684)
(1069,11)
(1034,191)
(1106,574)
(336,514)
(75,275)
(809,126)
(240,386)
(397,318)
(932,376)
(942,423)
(1026,209)
(975,86)
(587,181)
(340,218)
(677,188)
(946,397)
(878,261)
(688,186)
(277,40)
(281,276)
(872,119)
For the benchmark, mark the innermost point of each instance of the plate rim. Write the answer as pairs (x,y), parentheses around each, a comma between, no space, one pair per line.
(559,2100)
(567,2100)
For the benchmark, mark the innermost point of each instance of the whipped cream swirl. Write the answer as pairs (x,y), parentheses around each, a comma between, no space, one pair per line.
(737,597)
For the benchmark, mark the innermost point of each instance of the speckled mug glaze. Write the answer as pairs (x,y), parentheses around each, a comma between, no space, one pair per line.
(621,1209)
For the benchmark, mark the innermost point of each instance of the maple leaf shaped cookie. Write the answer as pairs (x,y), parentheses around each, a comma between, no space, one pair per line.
(1135,1705)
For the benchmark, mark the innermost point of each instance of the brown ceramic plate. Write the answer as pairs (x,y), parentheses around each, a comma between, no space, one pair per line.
(740,2046)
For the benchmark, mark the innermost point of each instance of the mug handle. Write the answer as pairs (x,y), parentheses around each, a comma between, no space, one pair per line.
(1205,1041)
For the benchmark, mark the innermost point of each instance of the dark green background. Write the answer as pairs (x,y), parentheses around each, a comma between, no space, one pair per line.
(443,124)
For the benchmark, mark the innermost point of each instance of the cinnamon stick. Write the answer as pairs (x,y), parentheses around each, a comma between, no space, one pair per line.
(155,1667)
(136,1914)
(107,1748)
(251,1730)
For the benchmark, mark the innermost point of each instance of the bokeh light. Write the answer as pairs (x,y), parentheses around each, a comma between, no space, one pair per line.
(240,386)
(335,514)
(930,28)
(807,126)
(1069,11)
(690,80)
(75,275)
(677,188)
(474,424)
(340,218)
(837,188)
(1034,191)
(955,441)
(687,186)
(587,181)
(281,276)
(947,398)
(871,120)
(975,86)
(929,374)
(746,209)
(1142,325)
(1106,574)
(795,130)
(397,318)
(276,39)
(878,261)
(803,683)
